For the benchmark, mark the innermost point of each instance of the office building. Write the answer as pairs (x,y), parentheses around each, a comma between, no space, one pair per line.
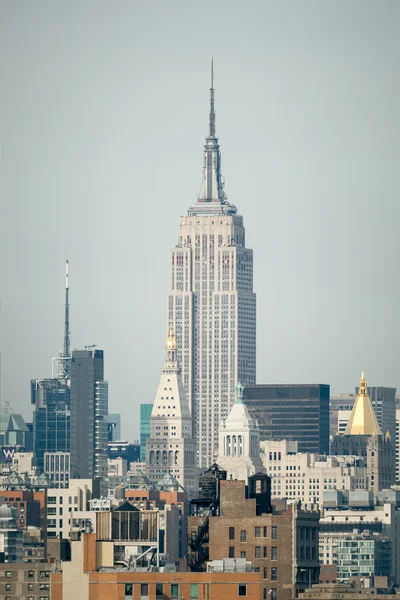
(346,514)
(291,412)
(57,468)
(62,503)
(89,406)
(125,450)
(304,476)
(145,414)
(211,303)
(170,449)
(27,581)
(383,400)
(239,442)
(51,417)
(113,427)
(363,437)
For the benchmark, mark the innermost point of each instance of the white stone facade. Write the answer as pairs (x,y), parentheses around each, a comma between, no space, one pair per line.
(171,447)
(300,476)
(63,503)
(239,442)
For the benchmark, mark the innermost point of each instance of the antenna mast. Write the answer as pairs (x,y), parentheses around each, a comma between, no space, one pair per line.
(62,363)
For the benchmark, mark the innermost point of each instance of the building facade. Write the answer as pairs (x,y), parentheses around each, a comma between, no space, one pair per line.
(51,418)
(363,437)
(281,544)
(303,476)
(113,427)
(57,468)
(239,442)
(145,414)
(89,406)
(211,303)
(291,412)
(170,447)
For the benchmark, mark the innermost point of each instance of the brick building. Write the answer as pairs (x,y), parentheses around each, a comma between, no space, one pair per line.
(282,545)
(83,578)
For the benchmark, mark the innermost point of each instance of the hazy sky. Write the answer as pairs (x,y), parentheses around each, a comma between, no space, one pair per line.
(104,110)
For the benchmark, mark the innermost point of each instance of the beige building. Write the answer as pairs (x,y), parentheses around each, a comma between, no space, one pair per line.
(239,442)
(170,447)
(298,476)
(211,303)
(61,502)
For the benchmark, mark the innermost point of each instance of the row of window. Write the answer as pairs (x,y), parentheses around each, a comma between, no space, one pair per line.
(257,552)
(174,590)
(257,533)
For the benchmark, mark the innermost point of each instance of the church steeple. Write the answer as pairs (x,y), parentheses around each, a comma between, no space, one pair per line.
(363,419)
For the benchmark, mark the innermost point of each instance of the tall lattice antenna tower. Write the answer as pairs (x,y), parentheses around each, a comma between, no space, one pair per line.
(62,362)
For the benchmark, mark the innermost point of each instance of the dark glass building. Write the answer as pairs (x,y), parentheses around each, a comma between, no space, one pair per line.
(51,417)
(292,412)
(121,449)
(89,406)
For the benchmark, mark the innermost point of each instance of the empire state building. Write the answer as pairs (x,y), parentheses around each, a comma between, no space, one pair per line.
(211,303)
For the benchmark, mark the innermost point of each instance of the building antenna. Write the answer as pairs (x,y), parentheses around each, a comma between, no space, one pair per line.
(67,343)
(212,109)
(61,364)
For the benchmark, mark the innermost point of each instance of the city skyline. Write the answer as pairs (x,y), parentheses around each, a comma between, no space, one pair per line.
(313,173)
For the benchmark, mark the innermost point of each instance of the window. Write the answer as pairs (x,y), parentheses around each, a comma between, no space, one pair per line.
(257,532)
(44,574)
(30,598)
(242,589)
(257,552)
(243,535)
(274,574)
(8,574)
(265,594)
(274,533)
(194,591)
(273,593)
(265,573)
(30,587)
(128,590)
(159,591)
(44,586)
(8,587)
(231,552)
(174,591)
(243,554)
(30,574)
(231,533)
(265,552)
(274,553)
(265,531)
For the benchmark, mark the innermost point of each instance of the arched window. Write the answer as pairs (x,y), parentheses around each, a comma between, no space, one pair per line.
(171,458)
(240,445)
(228,445)
(158,457)
(234,445)
(176,457)
(152,457)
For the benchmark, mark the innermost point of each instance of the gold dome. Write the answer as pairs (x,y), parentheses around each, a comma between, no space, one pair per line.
(171,341)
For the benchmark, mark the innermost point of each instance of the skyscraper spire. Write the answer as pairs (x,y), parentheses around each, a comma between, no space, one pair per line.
(212,109)
(212,184)
(67,343)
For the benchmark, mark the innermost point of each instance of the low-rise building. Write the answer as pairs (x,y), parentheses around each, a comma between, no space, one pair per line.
(85,577)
